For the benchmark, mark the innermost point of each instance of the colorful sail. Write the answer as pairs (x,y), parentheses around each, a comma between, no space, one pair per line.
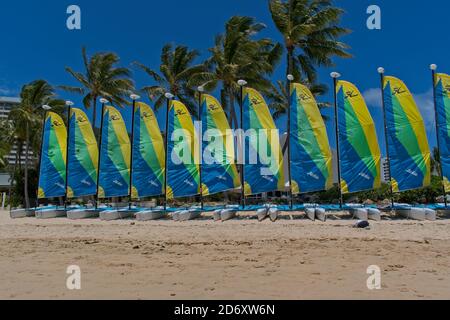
(263,156)
(183,179)
(52,172)
(360,154)
(311,157)
(115,153)
(148,154)
(219,171)
(409,152)
(83,156)
(442,88)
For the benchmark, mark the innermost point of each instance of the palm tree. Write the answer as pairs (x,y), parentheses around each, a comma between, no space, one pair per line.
(436,162)
(176,69)
(26,119)
(237,55)
(101,78)
(310,29)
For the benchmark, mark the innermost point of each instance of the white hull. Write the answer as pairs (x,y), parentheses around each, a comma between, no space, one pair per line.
(374,214)
(186,215)
(150,215)
(82,214)
(311,213)
(431,215)
(22,213)
(360,214)
(227,214)
(216,215)
(413,213)
(321,214)
(50,214)
(262,214)
(273,214)
(110,215)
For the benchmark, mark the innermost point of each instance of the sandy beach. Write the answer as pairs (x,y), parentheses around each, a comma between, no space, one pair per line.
(239,259)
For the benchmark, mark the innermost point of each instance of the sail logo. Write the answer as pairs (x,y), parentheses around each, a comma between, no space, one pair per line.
(312,175)
(350,94)
(115,117)
(85,182)
(56,123)
(256,101)
(116,182)
(305,97)
(268,178)
(398,90)
(81,119)
(153,183)
(411,172)
(364,175)
(213,107)
(59,185)
(146,115)
(188,183)
(180,112)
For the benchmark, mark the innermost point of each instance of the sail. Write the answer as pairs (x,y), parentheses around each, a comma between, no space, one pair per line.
(52,172)
(311,157)
(115,153)
(183,179)
(263,170)
(360,154)
(442,88)
(148,154)
(219,171)
(409,152)
(82,157)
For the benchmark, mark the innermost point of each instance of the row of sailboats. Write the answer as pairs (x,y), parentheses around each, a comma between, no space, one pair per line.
(139,167)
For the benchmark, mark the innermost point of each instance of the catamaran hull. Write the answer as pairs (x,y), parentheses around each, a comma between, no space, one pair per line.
(419,214)
(227,214)
(311,214)
(150,215)
(374,214)
(22,213)
(273,214)
(50,214)
(111,215)
(262,214)
(321,214)
(360,214)
(82,214)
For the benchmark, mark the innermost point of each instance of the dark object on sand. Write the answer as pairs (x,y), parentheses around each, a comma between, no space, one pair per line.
(362,224)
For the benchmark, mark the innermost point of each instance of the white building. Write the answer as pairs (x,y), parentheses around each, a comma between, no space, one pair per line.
(385,171)
(6,104)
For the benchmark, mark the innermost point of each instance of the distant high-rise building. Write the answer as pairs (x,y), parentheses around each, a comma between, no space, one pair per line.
(6,105)
(385,170)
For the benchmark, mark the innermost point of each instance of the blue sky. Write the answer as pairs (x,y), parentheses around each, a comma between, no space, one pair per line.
(36,43)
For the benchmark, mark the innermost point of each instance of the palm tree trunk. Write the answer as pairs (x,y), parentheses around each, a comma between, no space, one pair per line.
(27,148)
(11,182)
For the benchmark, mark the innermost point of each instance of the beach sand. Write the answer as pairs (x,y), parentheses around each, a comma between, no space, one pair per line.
(239,259)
